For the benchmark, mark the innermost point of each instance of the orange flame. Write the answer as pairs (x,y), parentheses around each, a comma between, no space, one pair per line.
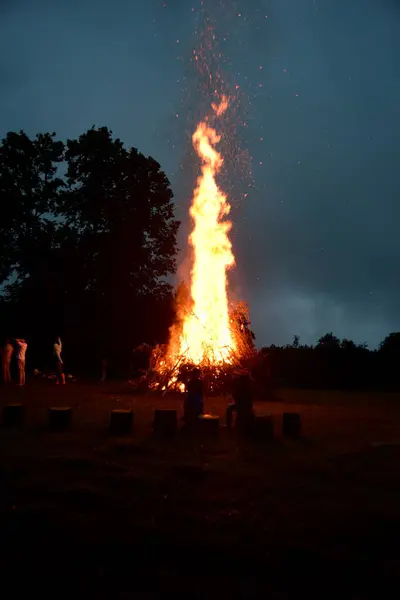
(206,333)
(220,108)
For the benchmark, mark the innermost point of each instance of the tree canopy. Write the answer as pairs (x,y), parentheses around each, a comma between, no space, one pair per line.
(87,241)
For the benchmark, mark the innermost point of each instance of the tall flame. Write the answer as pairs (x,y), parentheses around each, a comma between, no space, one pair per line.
(206,333)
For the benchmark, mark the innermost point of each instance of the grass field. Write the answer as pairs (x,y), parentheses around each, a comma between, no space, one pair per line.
(87,514)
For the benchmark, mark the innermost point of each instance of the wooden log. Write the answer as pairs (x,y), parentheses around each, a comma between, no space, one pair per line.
(208,424)
(291,425)
(60,418)
(13,415)
(121,421)
(165,422)
(263,428)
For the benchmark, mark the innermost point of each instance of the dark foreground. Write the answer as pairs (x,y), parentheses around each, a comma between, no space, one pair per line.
(89,516)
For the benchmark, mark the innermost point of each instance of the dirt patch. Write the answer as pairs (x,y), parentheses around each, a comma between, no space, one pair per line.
(197,516)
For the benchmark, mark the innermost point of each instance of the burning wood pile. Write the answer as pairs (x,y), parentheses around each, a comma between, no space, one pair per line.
(170,372)
(210,332)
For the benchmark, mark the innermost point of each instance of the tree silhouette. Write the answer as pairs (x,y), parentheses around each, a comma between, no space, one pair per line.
(29,188)
(121,203)
(347,345)
(296,341)
(328,341)
(391,343)
(91,253)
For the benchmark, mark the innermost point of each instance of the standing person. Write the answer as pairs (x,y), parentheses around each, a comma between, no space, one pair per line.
(193,406)
(6,360)
(104,365)
(21,354)
(57,349)
(242,401)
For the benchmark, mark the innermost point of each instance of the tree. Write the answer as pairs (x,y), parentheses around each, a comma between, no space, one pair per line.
(29,187)
(391,343)
(296,341)
(328,341)
(120,203)
(91,253)
(348,345)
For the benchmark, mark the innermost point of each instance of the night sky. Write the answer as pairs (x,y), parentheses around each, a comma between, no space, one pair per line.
(316,238)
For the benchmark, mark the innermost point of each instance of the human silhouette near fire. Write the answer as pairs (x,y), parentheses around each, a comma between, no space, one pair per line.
(194,400)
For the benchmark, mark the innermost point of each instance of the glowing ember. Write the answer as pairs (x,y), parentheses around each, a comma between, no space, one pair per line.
(206,334)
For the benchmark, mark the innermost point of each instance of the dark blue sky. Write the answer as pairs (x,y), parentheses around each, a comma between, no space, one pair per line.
(316,239)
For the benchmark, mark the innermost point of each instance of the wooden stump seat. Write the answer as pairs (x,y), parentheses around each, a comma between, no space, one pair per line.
(208,424)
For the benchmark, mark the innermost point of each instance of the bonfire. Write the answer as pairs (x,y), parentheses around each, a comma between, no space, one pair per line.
(210,332)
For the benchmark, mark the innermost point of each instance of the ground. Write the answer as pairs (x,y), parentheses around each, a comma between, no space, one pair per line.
(96,516)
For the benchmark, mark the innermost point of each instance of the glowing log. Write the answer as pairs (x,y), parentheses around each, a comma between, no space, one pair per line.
(208,424)
(291,425)
(13,415)
(165,422)
(60,418)
(121,421)
(263,428)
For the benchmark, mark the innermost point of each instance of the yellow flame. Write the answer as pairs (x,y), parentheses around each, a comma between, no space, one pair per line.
(206,334)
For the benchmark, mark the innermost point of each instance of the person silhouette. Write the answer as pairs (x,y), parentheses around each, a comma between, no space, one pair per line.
(242,395)
(57,351)
(8,351)
(193,406)
(21,355)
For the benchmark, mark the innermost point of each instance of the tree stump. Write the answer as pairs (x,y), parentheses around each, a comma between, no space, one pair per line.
(165,422)
(13,415)
(60,418)
(291,425)
(263,428)
(121,421)
(208,424)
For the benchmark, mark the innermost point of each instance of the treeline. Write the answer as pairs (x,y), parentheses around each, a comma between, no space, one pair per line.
(337,364)
(87,242)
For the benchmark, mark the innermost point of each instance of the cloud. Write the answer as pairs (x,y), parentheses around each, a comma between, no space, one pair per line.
(316,240)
